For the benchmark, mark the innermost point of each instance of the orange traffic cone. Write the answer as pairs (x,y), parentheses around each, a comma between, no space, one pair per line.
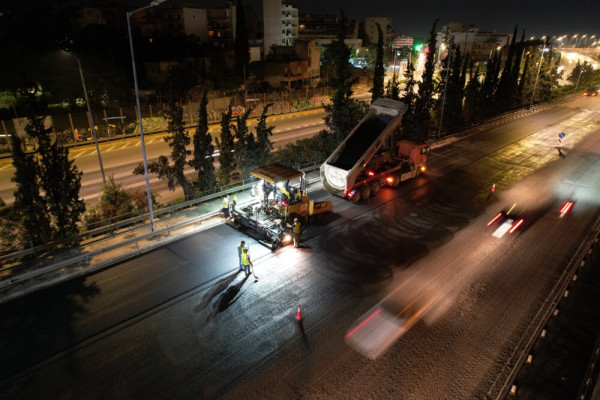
(299,314)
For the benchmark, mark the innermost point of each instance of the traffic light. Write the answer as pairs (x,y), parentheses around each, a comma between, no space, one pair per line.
(418,46)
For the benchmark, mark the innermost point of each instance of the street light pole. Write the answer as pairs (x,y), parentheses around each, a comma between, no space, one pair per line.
(592,44)
(139,110)
(574,36)
(537,75)
(89,107)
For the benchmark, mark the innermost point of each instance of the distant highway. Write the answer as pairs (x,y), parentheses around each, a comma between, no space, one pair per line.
(119,158)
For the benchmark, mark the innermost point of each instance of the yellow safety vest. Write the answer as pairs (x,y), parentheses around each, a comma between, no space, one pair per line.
(296,227)
(225,203)
(245,258)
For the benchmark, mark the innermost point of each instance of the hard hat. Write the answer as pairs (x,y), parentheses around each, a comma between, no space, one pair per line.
(295,219)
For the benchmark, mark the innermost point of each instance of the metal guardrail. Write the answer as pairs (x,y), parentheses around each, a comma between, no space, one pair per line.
(589,383)
(546,312)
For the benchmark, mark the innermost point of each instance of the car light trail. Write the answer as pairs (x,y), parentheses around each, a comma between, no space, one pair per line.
(514,228)
(565,208)
(363,323)
(495,219)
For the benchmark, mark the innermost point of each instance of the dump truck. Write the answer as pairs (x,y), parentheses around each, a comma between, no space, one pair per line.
(280,196)
(370,158)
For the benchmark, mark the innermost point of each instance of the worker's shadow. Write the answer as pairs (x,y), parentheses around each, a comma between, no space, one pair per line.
(226,292)
(228,297)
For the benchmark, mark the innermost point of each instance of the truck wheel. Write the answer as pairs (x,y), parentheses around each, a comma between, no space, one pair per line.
(375,188)
(356,197)
(365,192)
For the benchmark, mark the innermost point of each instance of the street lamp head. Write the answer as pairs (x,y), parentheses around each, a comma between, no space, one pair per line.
(157,2)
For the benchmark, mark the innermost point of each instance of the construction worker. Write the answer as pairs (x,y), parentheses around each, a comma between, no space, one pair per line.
(225,207)
(296,232)
(241,247)
(247,263)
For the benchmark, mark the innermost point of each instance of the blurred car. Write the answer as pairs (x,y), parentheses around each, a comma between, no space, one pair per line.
(591,91)
(381,326)
(509,220)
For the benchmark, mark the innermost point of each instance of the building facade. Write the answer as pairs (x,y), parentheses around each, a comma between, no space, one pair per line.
(280,24)
(221,25)
(480,45)
(186,21)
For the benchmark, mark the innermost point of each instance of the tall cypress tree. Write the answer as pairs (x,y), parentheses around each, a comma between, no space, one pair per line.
(244,146)
(173,174)
(549,75)
(58,177)
(225,143)
(61,182)
(338,120)
(409,96)
(378,73)
(179,142)
(263,138)
(203,160)
(28,203)
(504,94)
(453,115)
(424,101)
(524,82)
(517,70)
(489,86)
(471,104)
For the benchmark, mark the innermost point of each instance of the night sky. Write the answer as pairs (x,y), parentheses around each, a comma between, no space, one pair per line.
(415,18)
